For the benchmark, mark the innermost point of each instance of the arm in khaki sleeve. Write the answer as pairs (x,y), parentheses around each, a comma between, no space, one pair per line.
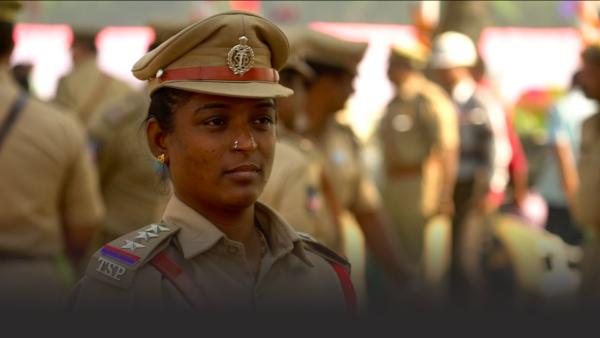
(286,192)
(82,203)
(568,171)
(63,95)
(376,229)
(445,151)
(586,211)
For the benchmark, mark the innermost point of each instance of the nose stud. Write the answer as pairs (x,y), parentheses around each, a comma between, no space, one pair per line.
(236,144)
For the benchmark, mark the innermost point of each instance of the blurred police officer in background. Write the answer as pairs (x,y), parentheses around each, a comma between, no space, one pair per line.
(587,212)
(86,89)
(50,203)
(299,188)
(132,191)
(419,143)
(334,62)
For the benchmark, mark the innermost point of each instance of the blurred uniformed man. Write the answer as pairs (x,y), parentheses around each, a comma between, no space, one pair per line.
(484,151)
(334,62)
(131,188)
(50,202)
(587,211)
(419,137)
(299,188)
(87,89)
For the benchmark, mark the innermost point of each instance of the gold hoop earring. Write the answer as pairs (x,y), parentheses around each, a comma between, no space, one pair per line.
(161,158)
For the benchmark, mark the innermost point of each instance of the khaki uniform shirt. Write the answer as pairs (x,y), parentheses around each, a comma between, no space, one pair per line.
(87,90)
(295,190)
(420,119)
(131,187)
(290,277)
(587,210)
(47,182)
(356,191)
(48,178)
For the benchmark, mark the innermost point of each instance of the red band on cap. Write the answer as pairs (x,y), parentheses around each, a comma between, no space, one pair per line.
(219,73)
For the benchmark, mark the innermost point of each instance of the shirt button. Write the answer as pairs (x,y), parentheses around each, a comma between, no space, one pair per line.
(232,250)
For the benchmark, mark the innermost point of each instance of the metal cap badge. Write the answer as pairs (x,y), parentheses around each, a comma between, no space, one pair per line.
(240,57)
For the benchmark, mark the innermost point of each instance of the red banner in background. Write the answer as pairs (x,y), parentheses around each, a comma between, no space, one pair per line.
(249,6)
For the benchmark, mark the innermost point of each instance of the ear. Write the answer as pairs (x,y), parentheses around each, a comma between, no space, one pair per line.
(156,138)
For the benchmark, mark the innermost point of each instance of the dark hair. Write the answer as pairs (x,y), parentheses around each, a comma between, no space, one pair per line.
(163,103)
(322,69)
(591,55)
(6,38)
(287,76)
(86,41)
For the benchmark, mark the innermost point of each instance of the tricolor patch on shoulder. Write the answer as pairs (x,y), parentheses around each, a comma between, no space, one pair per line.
(119,254)
(316,247)
(116,262)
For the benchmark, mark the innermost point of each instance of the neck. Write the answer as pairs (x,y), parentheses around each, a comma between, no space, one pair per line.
(236,223)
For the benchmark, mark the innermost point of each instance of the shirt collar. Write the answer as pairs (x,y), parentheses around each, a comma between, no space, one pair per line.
(464,90)
(198,234)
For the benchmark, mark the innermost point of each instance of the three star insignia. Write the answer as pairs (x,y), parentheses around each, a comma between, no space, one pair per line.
(156,229)
(131,245)
(145,235)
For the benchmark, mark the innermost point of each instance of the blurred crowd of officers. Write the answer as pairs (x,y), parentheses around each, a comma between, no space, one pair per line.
(446,217)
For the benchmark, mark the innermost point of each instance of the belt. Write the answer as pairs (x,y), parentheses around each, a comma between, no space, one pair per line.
(404,170)
(10,256)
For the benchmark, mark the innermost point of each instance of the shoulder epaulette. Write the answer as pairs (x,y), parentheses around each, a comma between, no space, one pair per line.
(117,262)
(316,247)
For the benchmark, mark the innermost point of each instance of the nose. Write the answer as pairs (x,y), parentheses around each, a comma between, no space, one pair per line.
(244,142)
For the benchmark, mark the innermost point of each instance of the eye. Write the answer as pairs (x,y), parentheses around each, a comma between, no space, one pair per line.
(214,122)
(264,120)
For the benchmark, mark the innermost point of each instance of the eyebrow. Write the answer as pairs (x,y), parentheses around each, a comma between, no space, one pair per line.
(211,105)
(265,104)
(219,105)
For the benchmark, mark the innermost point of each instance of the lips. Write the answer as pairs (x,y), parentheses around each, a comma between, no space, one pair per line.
(244,173)
(244,168)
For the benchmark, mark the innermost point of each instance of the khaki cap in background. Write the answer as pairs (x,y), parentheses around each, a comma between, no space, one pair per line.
(295,63)
(321,48)
(234,54)
(9,10)
(413,51)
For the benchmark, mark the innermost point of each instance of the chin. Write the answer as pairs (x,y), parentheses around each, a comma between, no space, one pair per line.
(243,199)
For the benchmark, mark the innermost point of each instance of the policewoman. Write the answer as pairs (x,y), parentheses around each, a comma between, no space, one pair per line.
(211,122)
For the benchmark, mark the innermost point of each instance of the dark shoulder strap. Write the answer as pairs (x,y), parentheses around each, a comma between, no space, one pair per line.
(182,281)
(347,286)
(316,247)
(340,265)
(13,113)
